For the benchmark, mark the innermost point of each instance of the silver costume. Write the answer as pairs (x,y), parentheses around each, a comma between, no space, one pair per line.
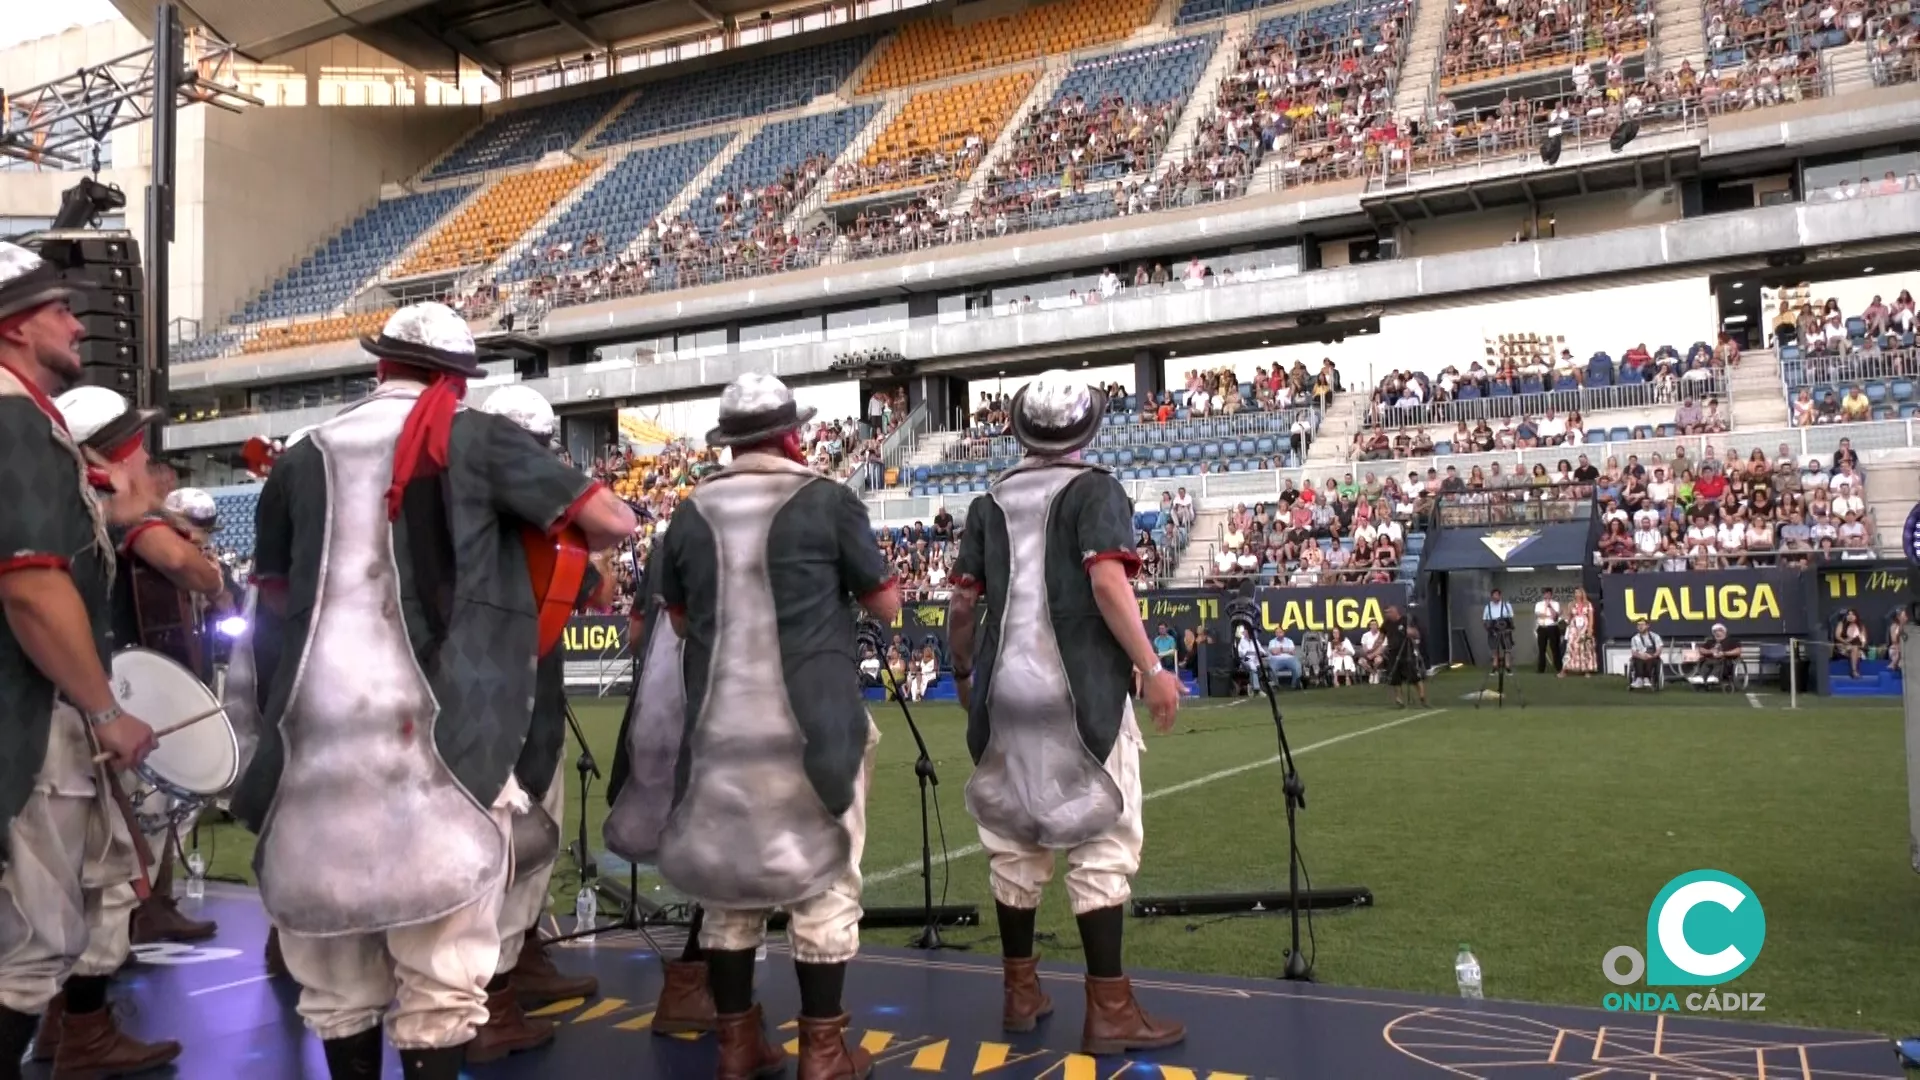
(340,852)
(639,815)
(750,831)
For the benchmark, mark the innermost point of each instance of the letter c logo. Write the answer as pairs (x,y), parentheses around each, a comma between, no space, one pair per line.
(1704,928)
(1673,932)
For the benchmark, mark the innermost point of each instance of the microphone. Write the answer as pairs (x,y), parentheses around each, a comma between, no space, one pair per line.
(868,632)
(1243,612)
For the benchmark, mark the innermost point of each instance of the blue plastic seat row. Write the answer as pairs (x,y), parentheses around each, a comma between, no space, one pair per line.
(523,136)
(627,198)
(738,90)
(329,276)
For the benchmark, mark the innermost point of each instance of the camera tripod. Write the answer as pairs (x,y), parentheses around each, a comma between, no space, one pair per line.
(1496,674)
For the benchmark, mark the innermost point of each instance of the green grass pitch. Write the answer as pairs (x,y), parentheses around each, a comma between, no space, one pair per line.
(1539,835)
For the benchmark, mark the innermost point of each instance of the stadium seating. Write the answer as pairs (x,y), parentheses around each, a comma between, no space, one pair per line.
(776,148)
(494,221)
(621,205)
(330,276)
(1483,42)
(939,122)
(234,533)
(1199,11)
(937,49)
(736,91)
(523,136)
(317,331)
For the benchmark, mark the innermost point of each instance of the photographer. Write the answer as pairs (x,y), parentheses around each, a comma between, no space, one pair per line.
(1400,656)
(1497,618)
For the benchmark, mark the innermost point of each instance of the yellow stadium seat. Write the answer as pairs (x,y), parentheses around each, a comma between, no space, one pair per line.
(937,49)
(496,220)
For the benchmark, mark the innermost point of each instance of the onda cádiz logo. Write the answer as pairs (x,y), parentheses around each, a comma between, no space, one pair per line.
(1704,928)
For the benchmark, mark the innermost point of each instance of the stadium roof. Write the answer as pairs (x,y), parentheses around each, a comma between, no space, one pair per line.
(431,35)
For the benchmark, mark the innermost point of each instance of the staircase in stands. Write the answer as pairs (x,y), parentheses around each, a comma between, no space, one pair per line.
(1758,400)
(1679,33)
(1849,68)
(931,449)
(1043,88)
(1420,71)
(1335,437)
(1200,105)
(1202,540)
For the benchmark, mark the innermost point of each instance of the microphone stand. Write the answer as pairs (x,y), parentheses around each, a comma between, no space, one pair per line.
(929,937)
(589,770)
(1295,791)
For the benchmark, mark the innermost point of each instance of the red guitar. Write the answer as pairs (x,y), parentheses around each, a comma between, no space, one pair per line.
(557,564)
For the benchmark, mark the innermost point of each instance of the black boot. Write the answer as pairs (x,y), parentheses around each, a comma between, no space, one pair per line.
(16,1030)
(356,1057)
(439,1064)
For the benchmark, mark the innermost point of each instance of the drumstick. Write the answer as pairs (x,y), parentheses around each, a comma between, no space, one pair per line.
(99,759)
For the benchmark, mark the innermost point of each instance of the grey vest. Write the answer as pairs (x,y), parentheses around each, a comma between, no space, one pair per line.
(369,829)
(1037,782)
(639,816)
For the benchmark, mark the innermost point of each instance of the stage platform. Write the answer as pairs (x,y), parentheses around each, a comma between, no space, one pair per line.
(939,1016)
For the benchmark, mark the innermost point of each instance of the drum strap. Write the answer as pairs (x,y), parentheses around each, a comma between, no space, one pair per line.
(141,886)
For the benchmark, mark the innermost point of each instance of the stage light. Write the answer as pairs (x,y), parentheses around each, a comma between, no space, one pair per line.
(233,626)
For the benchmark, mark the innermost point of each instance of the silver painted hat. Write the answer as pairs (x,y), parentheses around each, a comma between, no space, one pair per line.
(1057,413)
(195,505)
(100,419)
(430,336)
(525,407)
(755,408)
(28,281)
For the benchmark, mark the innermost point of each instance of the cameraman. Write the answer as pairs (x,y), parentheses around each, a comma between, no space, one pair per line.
(1497,618)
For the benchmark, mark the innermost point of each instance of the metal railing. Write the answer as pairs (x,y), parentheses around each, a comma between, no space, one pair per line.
(1539,54)
(1644,395)
(1858,366)
(1145,435)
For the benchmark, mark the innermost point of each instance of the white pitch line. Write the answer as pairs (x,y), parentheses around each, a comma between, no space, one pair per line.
(1754,700)
(958,853)
(229,986)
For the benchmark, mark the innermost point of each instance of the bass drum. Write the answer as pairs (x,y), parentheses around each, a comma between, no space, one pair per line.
(191,766)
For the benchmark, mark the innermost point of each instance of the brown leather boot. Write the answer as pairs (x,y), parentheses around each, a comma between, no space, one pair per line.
(159,919)
(46,1042)
(745,1053)
(1026,1003)
(508,1029)
(537,982)
(824,1054)
(93,1048)
(685,1005)
(276,961)
(1116,1023)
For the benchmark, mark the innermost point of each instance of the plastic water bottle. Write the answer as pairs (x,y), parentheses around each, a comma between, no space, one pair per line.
(760,954)
(196,876)
(1466,971)
(586,908)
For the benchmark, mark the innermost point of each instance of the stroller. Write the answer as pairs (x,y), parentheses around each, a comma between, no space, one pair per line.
(1314,667)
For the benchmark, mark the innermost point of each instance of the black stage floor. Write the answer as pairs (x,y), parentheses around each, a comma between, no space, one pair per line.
(940,1017)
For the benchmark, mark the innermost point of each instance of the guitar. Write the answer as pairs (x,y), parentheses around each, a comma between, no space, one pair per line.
(558,565)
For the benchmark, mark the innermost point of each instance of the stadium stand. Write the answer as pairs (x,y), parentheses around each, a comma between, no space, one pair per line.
(736,91)
(617,209)
(933,49)
(496,220)
(1838,369)
(317,331)
(1495,39)
(1317,84)
(350,258)
(522,136)
(939,134)
(733,228)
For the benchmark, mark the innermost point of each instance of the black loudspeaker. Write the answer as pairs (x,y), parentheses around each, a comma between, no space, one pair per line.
(1550,149)
(1623,135)
(110,305)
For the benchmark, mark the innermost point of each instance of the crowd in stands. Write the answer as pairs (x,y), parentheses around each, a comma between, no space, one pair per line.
(1527,364)
(1680,514)
(1845,369)
(1490,38)
(1341,532)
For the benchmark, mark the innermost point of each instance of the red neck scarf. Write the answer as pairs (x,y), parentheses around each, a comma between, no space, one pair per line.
(422,450)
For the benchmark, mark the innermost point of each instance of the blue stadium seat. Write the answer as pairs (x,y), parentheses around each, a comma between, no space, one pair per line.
(523,136)
(627,198)
(737,91)
(330,277)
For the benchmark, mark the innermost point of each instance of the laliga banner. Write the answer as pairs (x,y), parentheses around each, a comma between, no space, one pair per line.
(1751,603)
(593,637)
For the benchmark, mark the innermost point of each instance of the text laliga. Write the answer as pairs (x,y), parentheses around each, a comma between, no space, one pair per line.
(1697,604)
(1711,1001)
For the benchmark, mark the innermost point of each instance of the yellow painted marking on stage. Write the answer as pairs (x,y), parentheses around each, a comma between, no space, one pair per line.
(930,1058)
(1760,1062)
(875,1041)
(1599,1040)
(1181,1072)
(558,1007)
(1079,1067)
(1806,1071)
(991,1055)
(638,1023)
(603,1008)
(1553,1055)
(1659,1033)
(791,1025)
(792,1047)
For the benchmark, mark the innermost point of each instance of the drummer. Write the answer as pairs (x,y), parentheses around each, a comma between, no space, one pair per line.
(56,705)
(111,432)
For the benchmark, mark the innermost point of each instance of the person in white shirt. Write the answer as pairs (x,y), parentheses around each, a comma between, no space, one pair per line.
(1497,619)
(1248,654)
(1340,659)
(1549,633)
(1660,491)
(1282,661)
(1644,667)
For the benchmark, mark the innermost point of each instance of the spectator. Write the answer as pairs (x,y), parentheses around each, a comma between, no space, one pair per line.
(1645,651)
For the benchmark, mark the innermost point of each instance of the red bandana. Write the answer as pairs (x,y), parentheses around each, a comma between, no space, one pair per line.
(422,450)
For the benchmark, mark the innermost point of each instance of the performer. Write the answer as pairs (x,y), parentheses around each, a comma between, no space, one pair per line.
(640,786)
(1400,658)
(63,844)
(1052,732)
(769,805)
(529,974)
(1549,633)
(1497,619)
(382,788)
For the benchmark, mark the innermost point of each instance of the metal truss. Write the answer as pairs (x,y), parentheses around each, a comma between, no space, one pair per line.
(65,121)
